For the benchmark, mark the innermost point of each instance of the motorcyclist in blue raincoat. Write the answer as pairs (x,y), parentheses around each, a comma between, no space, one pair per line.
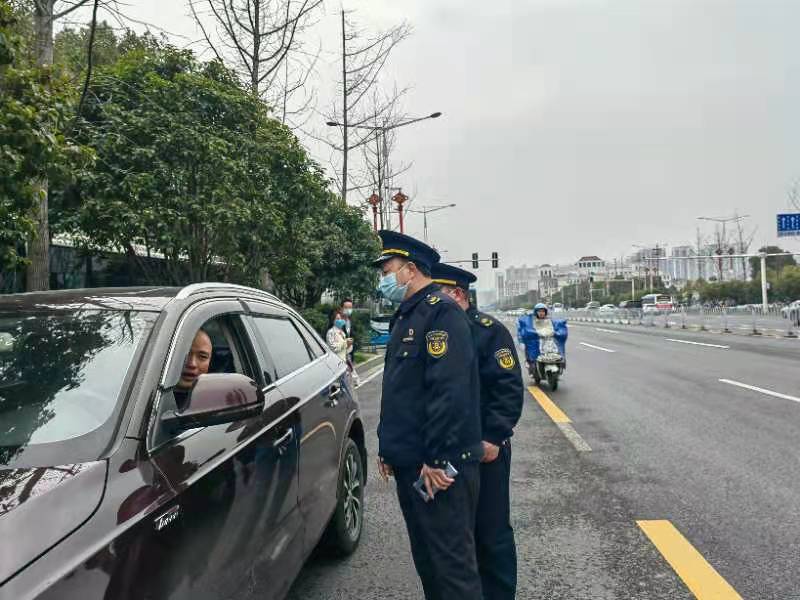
(542,336)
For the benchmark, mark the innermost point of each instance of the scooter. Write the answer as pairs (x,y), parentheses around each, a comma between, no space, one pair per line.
(549,367)
(545,355)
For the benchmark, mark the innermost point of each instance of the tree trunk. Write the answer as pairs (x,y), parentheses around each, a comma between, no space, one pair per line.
(38,270)
(344,112)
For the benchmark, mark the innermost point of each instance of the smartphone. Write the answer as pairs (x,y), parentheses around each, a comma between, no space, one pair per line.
(419,484)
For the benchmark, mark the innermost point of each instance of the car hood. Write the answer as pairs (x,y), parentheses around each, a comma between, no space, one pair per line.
(41,506)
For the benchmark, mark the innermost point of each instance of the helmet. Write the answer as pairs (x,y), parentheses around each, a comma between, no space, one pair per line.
(540,306)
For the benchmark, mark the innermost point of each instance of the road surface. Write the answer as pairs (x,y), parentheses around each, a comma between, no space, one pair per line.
(678,476)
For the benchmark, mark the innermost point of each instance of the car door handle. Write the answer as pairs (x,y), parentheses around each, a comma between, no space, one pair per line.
(333,392)
(284,440)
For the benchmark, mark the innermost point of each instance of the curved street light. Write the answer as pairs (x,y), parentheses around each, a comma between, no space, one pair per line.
(428,209)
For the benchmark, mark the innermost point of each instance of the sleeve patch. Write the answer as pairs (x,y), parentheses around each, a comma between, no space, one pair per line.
(505,358)
(437,343)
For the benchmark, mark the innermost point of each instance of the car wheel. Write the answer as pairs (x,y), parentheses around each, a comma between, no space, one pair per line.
(344,530)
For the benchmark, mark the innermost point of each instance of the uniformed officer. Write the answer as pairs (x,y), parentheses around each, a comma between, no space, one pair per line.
(430,417)
(502,396)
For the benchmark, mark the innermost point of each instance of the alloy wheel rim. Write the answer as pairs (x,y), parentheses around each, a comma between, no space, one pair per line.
(352,496)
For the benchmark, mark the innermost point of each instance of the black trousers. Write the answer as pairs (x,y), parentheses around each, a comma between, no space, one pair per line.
(442,533)
(494,536)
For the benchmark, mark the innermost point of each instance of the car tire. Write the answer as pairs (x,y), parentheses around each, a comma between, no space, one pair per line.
(344,530)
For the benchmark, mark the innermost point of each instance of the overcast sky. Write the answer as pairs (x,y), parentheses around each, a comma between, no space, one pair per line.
(576,127)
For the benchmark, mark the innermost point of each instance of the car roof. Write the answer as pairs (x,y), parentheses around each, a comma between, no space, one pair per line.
(152,298)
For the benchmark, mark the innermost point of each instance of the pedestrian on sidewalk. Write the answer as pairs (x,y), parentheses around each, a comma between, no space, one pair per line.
(430,420)
(502,397)
(336,337)
(347,311)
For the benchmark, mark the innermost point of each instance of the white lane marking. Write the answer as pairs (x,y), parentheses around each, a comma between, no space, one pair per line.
(574,437)
(761,390)
(370,378)
(697,343)
(606,330)
(596,347)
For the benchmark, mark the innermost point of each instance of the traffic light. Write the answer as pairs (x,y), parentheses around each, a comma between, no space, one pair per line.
(495,260)
(474,260)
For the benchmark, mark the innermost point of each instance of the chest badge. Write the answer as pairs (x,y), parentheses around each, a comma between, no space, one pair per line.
(437,343)
(505,358)
(409,337)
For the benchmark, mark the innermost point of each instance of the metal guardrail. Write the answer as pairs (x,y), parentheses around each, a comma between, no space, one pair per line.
(744,320)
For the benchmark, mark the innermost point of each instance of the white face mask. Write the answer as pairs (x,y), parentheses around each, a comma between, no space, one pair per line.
(348,311)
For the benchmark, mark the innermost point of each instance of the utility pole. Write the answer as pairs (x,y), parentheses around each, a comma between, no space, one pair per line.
(764,302)
(344,110)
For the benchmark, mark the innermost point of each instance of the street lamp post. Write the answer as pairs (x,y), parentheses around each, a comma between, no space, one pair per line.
(400,198)
(380,130)
(425,210)
(374,200)
(724,221)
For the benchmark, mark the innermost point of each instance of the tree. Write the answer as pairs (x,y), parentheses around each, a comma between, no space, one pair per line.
(191,167)
(774,263)
(363,59)
(182,167)
(263,40)
(35,107)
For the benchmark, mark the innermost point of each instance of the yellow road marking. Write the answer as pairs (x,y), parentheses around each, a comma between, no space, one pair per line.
(548,406)
(699,576)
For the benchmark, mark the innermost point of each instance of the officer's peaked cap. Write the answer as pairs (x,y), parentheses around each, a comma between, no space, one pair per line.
(445,274)
(405,246)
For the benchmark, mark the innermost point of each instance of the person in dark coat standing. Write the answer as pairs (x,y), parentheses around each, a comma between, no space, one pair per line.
(430,420)
(502,396)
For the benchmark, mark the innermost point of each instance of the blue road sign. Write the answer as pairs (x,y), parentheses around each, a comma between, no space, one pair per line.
(788,224)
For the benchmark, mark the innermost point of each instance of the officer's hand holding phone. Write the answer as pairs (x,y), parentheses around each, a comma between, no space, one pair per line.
(435,478)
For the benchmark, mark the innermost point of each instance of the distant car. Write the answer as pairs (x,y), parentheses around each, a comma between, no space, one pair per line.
(607,308)
(128,472)
(630,304)
(593,305)
(650,308)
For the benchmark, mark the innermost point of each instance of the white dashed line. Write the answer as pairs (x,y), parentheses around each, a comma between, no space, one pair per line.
(370,378)
(606,330)
(597,347)
(760,390)
(697,343)
(574,437)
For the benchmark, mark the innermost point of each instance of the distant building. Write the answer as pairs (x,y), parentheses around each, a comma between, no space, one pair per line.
(548,281)
(519,280)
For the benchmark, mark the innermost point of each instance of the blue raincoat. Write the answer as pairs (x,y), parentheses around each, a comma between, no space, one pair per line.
(526,334)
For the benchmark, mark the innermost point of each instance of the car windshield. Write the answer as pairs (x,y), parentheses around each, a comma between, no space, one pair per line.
(60,378)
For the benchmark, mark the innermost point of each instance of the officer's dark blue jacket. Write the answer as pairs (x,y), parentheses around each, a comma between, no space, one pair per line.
(430,407)
(502,391)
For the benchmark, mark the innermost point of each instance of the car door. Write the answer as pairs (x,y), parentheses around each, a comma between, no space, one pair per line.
(308,385)
(227,523)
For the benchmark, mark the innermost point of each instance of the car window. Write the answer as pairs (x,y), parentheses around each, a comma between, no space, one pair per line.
(314,345)
(283,342)
(220,345)
(60,379)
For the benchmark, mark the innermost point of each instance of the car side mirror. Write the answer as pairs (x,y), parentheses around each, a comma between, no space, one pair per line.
(215,399)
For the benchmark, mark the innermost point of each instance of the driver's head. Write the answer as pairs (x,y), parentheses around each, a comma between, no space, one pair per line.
(197,361)
(540,310)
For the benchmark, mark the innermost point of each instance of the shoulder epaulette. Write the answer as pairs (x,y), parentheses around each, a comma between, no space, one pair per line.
(485,321)
(433,299)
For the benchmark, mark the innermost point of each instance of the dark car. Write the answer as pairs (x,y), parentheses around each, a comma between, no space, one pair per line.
(630,304)
(118,483)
